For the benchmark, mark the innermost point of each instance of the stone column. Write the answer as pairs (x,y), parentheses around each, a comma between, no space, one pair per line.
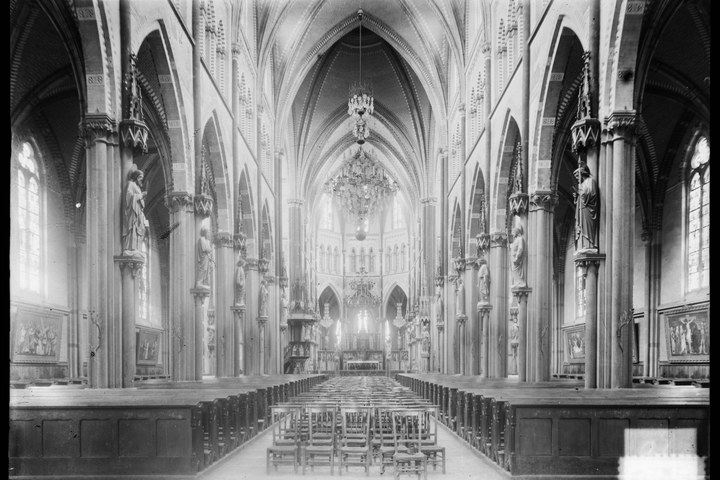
(521,297)
(439,305)
(589,263)
(460,313)
(483,311)
(182,279)
(497,328)
(103,240)
(540,220)
(621,125)
(200,294)
(225,323)
(130,265)
(239,357)
(472,327)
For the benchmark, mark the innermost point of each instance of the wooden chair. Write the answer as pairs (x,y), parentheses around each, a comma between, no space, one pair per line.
(354,448)
(429,446)
(285,436)
(384,444)
(408,426)
(320,447)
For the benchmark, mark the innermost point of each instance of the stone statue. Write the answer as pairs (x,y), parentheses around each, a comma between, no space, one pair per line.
(438,304)
(426,339)
(263,299)
(517,257)
(284,306)
(134,215)
(484,282)
(204,259)
(459,296)
(587,210)
(240,281)
(514,335)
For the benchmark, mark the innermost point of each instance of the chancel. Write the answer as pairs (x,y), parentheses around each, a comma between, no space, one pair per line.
(437,238)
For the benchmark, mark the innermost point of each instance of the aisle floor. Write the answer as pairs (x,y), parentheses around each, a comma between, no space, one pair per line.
(248,463)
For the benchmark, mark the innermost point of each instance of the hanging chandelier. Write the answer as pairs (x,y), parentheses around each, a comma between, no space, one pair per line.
(362,187)
(361,101)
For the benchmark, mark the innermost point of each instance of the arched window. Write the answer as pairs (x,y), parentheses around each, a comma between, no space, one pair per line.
(698,216)
(371,261)
(322,258)
(362,257)
(396,262)
(353,261)
(336,266)
(29,216)
(402,258)
(388,260)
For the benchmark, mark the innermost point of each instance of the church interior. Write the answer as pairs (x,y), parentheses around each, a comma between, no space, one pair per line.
(359,233)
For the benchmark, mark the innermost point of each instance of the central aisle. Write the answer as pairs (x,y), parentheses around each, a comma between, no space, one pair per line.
(249,462)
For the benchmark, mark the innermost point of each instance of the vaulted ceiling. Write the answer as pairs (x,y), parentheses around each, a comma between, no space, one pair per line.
(314,47)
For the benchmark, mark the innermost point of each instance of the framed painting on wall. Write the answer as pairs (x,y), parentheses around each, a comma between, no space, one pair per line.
(575,344)
(36,337)
(148,346)
(687,335)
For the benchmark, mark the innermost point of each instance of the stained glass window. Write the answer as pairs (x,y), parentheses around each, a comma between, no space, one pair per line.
(698,217)
(28,220)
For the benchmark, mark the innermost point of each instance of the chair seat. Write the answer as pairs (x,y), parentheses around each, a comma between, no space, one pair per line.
(409,456)
(354,449)
(282,448)
(317,449)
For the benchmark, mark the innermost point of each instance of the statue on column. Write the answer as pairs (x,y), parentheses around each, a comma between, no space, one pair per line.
(438,304)
(587,210)
(240,281)
(204,259)
(263,310)
(134,222)
(517,257)
(484,282)
(284,306)
(514,338)
(426,338)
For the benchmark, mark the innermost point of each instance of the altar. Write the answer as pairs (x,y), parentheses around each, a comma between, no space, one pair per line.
(363,365)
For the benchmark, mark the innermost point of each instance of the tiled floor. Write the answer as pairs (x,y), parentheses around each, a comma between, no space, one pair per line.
(248,463)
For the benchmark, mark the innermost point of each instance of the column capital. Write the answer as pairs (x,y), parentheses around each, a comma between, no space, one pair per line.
(133,263)
(200,293)
(224,239)
(179,202)
(521,292)
(235,50)
(429,201)
(621,123)
(96,127)
(484,308)
(498,239)
(461,319)
(543,200)
(486,48)
(296,202)
(585,259)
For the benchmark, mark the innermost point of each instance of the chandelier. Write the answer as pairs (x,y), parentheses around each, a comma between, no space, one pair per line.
(361,101)
(362,186)
(362,292)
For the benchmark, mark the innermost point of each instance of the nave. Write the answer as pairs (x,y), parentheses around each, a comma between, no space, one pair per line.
(379,393)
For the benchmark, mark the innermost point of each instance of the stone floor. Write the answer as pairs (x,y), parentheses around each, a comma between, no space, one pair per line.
(248,463)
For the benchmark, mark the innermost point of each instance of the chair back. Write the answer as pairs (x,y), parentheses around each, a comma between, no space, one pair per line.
(355,426)
(408,427)
(321,424)
(285,424)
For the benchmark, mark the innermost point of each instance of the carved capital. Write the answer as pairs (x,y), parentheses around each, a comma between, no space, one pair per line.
(543,200)
(131,263)
(498,239)
(224,239)
(97,127)
(179,202)
(200,293)
(235,50)
(521,293)
(262,265)
(428,201)
(461,319)
(486,48)
(587,259)
(203,205)
(621,123)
